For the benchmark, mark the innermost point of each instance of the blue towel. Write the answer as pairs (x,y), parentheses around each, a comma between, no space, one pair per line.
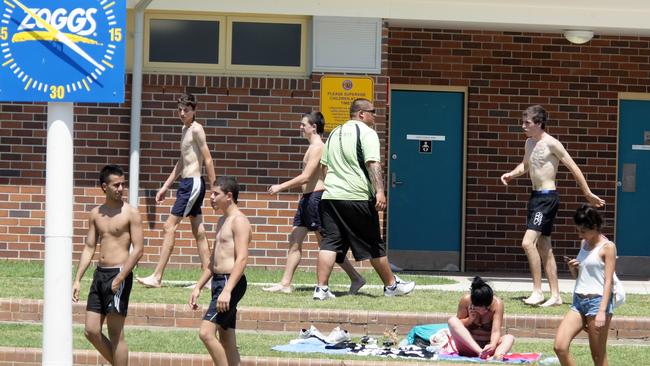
(424,331)
(512,358)
(309,345)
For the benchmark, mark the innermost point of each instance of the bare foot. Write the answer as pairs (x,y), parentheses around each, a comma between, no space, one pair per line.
(552,301)
(150,282)
(278,288)
(356,285)
(534,299)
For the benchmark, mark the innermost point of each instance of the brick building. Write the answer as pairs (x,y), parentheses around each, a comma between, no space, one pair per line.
(496,64)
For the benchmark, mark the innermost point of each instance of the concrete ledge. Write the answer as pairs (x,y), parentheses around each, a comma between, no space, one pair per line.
(357,322)
(10,356)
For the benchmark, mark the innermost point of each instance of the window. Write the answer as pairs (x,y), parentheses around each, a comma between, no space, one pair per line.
(183,42)
(175,40)
(269,44)
(223,44)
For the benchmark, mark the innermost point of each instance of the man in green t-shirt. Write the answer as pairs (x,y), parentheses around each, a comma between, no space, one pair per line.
(354,192)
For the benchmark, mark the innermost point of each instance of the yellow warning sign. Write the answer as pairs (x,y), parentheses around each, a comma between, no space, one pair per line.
(336,95)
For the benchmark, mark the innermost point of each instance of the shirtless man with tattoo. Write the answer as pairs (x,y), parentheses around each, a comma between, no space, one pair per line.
(542,156)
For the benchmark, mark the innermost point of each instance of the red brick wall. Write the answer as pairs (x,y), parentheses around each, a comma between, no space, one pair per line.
(252,129)
(506,72)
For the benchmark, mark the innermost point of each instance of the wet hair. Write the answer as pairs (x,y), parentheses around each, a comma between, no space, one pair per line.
(357,105)
(537,114)
(109,170)
(229,184)
(481,293)
(316,119)
(187,100)
(588,218)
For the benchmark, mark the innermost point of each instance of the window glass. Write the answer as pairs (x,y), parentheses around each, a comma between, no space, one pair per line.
(268,44)
(184,41)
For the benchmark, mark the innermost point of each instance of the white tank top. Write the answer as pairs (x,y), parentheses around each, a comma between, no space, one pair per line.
(591,274)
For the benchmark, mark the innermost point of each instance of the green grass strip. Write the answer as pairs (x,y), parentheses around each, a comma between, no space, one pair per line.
(251,344)
(21,280)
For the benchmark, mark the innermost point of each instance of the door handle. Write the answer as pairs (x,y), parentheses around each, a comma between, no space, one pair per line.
(393,180)
(628,181)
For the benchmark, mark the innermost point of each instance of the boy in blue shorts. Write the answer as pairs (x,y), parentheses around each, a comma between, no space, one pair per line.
(191,190)
(226,269)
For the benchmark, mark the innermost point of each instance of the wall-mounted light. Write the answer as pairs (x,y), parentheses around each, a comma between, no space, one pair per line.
(578,36)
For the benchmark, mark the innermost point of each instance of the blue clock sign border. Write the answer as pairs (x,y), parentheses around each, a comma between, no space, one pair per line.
(62,51)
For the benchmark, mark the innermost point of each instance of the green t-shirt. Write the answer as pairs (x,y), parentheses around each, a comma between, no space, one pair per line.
(345,180)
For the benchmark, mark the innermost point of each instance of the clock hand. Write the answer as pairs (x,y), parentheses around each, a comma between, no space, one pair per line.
(60,36)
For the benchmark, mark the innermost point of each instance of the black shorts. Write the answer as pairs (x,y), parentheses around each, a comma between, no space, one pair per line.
(542,208)
(189,197)
(307,214)
(351,225)
(101,298)
(227,319)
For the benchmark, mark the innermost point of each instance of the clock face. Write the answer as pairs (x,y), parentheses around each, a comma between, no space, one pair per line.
(62,51)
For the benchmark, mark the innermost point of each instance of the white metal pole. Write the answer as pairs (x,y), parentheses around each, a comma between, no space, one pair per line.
(136,103)
(57,307)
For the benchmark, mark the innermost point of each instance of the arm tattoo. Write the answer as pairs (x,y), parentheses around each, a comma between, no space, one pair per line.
(376,176)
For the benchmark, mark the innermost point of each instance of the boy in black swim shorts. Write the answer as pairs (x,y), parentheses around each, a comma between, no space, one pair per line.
(116,226)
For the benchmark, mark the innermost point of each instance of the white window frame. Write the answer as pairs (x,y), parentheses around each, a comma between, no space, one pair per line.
(224,66)
(272,70)
(190,67)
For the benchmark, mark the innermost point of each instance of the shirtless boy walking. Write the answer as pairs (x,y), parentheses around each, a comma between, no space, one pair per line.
(117,225)
(307,216)
(541,159)
(191,190)
(229,257)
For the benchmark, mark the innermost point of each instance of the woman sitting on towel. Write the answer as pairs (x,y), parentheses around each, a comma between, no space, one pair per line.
(592,306)
(476,328)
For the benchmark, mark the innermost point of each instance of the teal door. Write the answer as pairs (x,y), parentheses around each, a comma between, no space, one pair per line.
(633,186)
(425,179)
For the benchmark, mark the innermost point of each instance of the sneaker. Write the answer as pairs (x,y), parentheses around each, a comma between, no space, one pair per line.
(323,293)
(278,288)
(338,335)
(312,332)
(400,287)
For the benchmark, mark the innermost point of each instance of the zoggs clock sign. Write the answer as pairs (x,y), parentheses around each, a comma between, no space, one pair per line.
(62,51)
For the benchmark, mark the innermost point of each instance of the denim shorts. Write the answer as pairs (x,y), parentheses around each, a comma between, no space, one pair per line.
(588,306)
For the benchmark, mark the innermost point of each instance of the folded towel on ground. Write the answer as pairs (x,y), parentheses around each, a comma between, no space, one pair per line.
(512,358)
(309,345)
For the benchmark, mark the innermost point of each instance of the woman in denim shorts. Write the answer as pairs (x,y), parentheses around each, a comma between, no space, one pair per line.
(592,307)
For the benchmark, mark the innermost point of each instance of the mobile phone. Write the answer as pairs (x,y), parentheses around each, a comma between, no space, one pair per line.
(566,259)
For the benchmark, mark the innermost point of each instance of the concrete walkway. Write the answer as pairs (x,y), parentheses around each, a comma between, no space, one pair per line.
(503,283)
(499,282)
(516,283)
